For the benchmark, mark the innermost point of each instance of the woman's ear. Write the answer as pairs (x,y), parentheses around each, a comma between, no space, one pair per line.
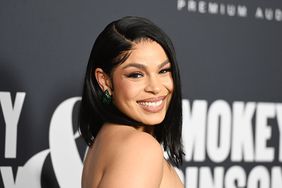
(103,80)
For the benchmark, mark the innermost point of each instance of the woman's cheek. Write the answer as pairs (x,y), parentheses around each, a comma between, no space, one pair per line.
(168,83)
(129,89)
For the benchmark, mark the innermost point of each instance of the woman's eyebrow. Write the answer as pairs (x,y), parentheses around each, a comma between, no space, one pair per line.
(164,63)
(141,66)
(137,65)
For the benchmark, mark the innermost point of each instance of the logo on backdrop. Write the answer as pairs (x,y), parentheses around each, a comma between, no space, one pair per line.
(232,146)
(226,146)
(231,9)
(65,157)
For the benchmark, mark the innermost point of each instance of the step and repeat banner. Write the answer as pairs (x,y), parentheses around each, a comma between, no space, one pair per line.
(230,57)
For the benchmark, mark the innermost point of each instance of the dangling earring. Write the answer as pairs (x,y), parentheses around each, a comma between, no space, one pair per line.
(106,98)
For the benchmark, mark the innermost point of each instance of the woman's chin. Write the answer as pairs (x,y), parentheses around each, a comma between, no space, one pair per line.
(153,121)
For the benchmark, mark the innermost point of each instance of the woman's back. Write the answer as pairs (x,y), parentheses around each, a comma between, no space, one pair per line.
(122,156)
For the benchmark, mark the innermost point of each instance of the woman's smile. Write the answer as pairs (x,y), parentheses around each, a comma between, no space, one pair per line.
(152,104)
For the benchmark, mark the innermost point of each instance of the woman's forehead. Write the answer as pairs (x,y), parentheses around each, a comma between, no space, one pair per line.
(146,53)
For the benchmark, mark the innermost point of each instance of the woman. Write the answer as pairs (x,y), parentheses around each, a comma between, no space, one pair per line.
(131,108)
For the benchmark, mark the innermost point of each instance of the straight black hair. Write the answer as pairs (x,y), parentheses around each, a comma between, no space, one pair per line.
(111,48)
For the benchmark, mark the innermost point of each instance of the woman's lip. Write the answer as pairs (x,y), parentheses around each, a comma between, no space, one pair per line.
(152,108)
(153,99)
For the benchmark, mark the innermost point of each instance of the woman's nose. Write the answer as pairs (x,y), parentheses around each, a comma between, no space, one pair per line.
(153,85)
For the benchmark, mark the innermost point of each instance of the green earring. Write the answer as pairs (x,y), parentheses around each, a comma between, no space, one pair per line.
(106,98)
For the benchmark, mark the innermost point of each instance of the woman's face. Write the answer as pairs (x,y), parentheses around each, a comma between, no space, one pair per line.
(143,84)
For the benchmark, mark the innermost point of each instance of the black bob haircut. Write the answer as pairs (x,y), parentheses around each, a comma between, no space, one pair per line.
(111,48)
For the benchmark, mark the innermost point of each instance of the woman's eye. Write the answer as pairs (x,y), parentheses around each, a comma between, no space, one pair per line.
(135,75)
(163,71)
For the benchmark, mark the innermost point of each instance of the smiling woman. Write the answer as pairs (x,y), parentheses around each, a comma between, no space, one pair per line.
(144,84)
(131,108)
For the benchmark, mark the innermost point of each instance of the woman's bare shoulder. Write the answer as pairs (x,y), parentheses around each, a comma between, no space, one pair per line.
(133,144)
(128,140)
(138,140)
(136,161)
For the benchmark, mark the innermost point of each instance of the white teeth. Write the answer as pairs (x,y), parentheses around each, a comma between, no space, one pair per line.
(151,104)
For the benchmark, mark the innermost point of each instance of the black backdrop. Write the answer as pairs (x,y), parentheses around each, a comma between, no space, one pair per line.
(229,53)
